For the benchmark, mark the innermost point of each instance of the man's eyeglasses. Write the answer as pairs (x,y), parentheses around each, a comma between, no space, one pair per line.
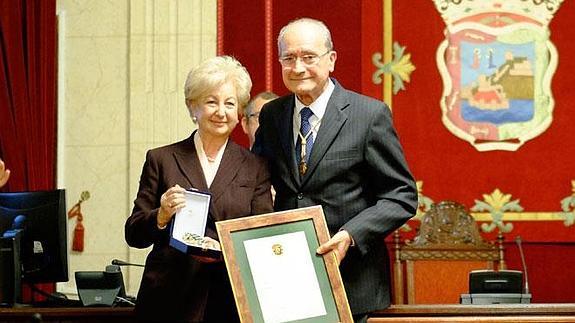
(307,59)
(255,115)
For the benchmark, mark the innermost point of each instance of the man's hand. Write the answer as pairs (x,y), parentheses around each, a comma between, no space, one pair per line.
(339,243)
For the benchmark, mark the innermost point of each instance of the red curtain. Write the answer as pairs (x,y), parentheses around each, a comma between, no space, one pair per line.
(28,93)
(28,97)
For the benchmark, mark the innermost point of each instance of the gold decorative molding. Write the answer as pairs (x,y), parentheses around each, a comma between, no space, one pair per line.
(521,216)
(387,50)
(458,254)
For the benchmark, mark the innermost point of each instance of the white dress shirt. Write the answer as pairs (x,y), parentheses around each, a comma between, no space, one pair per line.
(317,107)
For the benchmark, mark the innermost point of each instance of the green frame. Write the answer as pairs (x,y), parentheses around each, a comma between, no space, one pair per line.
(311,221)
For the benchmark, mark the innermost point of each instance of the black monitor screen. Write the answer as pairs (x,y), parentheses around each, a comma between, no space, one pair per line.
(41,217)
(490,281)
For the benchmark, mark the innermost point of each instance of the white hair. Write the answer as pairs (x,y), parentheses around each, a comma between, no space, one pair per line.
(310,21)
(214,72)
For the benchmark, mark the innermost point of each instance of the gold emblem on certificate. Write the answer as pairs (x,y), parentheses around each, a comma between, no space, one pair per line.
(277,249)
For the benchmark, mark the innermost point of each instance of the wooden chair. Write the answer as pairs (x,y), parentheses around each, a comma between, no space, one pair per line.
(436,264)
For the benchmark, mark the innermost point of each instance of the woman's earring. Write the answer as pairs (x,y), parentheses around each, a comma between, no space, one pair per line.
(194,119)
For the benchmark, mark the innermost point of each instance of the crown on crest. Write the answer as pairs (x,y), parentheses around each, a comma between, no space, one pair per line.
(541,11)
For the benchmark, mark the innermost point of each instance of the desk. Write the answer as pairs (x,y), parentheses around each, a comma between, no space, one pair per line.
(497,313)
(68,315)
(500,313)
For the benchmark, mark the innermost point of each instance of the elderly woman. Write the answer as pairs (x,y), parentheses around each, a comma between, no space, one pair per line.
(175,286)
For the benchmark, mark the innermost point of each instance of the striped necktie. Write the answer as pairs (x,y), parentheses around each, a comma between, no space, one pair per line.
(305,140)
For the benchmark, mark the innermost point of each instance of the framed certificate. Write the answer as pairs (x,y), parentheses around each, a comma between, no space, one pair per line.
(274,270)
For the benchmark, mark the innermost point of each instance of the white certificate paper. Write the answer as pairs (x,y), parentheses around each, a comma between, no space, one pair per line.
(284,277)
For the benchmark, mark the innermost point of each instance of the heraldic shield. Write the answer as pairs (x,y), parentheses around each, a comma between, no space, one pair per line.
(496,63)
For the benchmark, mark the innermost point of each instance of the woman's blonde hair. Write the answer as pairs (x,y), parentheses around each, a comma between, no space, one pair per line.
(214,72)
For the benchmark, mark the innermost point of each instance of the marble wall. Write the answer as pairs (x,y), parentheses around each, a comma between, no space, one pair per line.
(122,67)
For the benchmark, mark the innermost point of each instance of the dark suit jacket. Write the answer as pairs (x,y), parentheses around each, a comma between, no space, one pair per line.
(176,287)
(356,172)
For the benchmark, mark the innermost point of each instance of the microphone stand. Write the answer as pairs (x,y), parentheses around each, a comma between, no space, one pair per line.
(526,293)
(119,262)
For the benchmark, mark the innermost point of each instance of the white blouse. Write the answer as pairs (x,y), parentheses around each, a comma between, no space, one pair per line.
(209,166)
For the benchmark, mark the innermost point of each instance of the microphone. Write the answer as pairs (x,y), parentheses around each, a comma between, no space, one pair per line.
(518,242)
(16,229)
(19,222)
(118,262)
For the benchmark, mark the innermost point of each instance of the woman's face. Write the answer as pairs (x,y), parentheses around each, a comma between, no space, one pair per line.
(217,113)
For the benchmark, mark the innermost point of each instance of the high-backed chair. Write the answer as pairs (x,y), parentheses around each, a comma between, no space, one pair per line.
(434,267)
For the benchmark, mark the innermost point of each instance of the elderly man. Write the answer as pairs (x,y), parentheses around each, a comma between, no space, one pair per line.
(251,114)
(329,146)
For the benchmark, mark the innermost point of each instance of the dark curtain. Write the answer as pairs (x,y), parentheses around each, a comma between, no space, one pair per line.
(28,97)
(28,93)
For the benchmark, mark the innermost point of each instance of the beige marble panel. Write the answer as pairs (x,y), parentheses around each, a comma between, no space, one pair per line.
(165,15)
(132,274)
(192,11)
(95,18)
(136,162)
(141,120)
(101,170)
(138,17)
(96,78)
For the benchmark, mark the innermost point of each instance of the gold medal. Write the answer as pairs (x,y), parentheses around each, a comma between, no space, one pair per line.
(302,167)
(192,239)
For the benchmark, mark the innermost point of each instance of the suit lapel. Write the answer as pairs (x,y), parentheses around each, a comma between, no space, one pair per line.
(229,167)
(189,164)
(331,124)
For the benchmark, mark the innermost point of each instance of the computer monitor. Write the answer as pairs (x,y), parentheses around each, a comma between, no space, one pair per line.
(39,220)
(491,281)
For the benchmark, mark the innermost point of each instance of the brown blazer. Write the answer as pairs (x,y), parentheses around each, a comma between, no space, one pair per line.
(176,287)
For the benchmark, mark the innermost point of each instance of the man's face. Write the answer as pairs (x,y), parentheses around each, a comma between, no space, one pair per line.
(307,81)
(251,123)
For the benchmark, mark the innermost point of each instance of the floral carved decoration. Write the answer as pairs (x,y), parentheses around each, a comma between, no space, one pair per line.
(568,207)
(400,67)
(497,204)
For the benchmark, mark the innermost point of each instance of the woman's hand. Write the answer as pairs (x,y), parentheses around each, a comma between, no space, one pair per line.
(170,202)
(210,243)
